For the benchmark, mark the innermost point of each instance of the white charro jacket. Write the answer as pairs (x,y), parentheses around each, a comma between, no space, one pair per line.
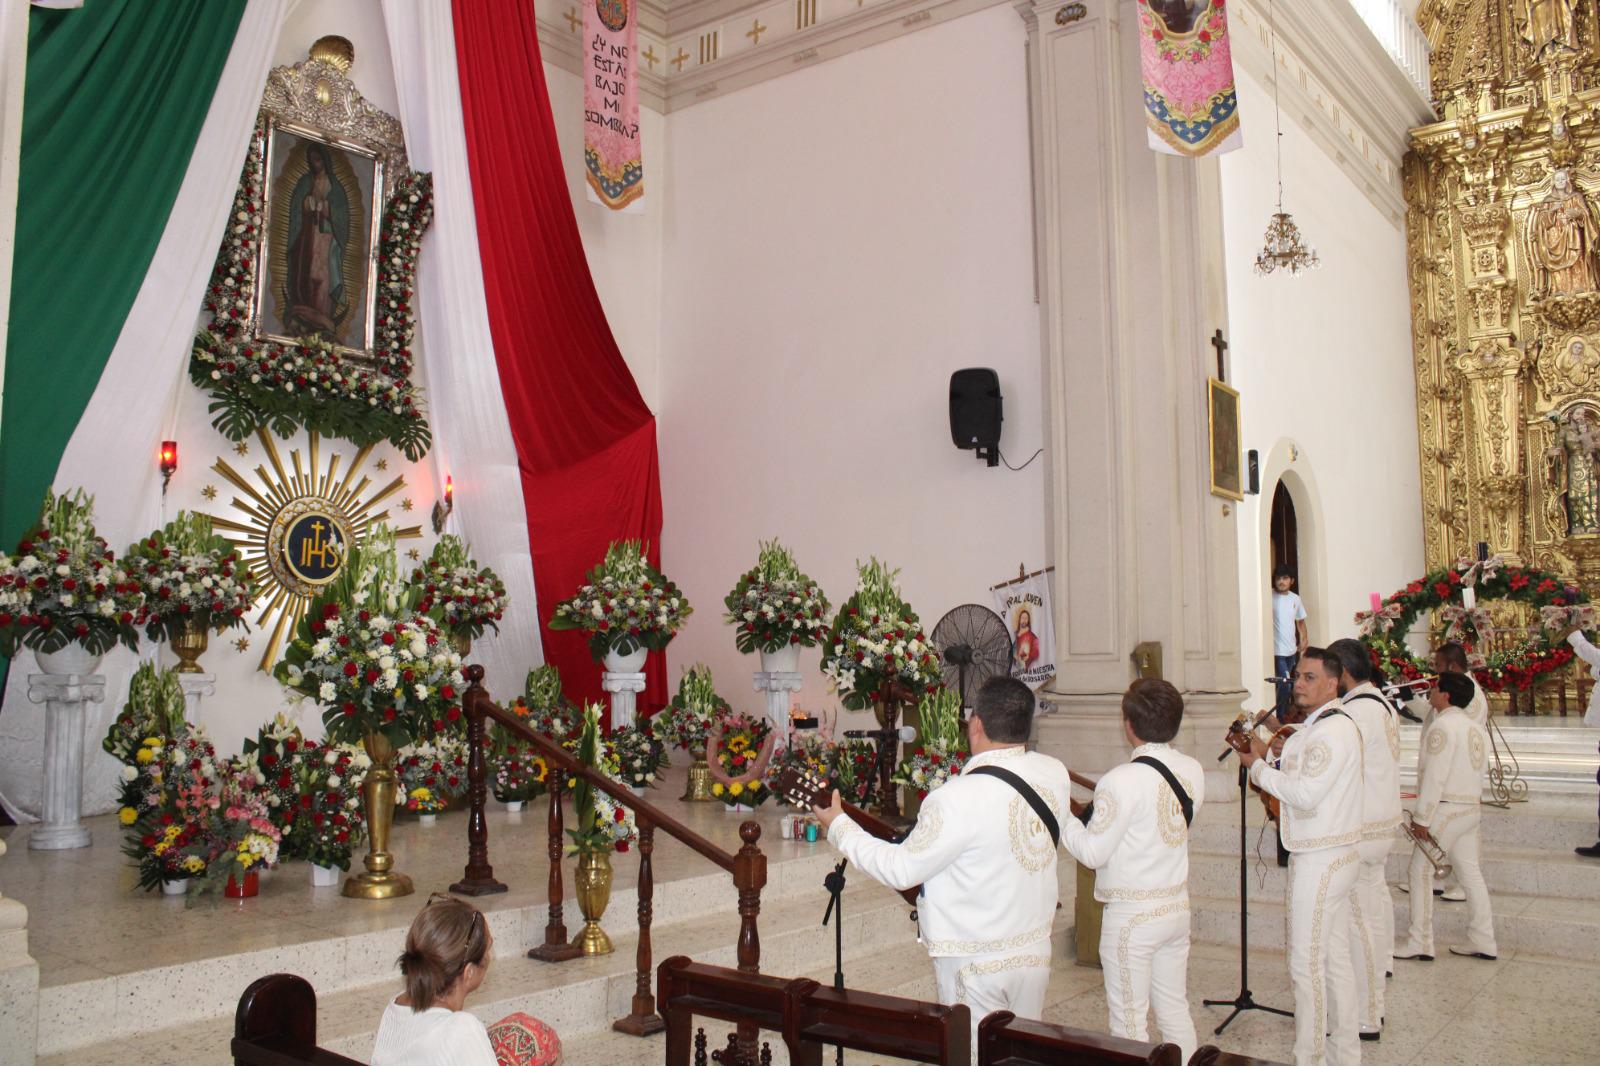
(985,861)
(1380,760)
(1136,841)
(1318,782)
(1457,753)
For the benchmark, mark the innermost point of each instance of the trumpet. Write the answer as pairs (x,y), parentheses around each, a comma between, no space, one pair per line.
(1427,845)
(1417,687)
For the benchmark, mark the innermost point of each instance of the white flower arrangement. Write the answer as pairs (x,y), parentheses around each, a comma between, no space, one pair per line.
(775,606)
(876,648)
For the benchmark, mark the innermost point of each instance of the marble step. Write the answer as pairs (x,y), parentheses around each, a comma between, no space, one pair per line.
(1556,756)
(1547,828)
(1560,928)
(186,988)
(577,997)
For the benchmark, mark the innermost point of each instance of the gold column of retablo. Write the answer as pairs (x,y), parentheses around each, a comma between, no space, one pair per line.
(380,881)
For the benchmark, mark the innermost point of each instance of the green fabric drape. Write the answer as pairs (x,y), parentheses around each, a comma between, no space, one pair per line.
(116,94)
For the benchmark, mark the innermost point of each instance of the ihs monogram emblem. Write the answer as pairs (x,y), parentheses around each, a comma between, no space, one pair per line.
(299,525)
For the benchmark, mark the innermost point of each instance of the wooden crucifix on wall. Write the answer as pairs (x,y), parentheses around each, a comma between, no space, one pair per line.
(1222,347)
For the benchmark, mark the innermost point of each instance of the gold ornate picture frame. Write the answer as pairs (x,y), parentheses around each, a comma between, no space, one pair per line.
(1223,436)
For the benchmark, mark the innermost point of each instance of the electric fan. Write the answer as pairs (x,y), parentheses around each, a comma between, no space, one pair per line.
(974,646)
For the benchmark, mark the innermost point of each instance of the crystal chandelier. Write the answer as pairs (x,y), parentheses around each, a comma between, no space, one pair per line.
(1284,249)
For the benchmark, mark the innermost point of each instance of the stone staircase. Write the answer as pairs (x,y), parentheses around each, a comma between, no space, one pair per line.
(1555,756)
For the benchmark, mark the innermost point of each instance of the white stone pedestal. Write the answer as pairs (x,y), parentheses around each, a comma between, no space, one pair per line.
(777,685)
(64,697)
(624,689)
(195,688)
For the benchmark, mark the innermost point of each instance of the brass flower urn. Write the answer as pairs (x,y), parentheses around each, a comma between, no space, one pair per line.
(380,881)
(188,644)
(698,790)
(594,892)
(462,642)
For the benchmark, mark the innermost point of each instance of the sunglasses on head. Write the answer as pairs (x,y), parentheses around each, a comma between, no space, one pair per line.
(477,915)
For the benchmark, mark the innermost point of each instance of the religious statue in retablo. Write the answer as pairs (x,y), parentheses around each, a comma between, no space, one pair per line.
(1570,464)
(1562,238)
(1546,22)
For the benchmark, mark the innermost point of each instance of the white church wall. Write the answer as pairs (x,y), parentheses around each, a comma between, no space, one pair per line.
(1323,362)
(840,240)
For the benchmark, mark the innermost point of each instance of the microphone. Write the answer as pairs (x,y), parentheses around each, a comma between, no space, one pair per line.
(905,734)
(1280,680)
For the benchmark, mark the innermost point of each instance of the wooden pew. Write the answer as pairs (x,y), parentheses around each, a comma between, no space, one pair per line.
(687,989)
(1215,1056)
(276,1025)
(1006,1040)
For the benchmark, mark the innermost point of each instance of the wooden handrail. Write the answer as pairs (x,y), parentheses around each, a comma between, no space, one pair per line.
(1081,781)
(748,867)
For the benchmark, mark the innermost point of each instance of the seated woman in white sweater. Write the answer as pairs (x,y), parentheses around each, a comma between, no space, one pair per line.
(446,957)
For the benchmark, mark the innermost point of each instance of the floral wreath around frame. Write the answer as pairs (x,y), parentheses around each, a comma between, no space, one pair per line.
(255,383)
(1557,603)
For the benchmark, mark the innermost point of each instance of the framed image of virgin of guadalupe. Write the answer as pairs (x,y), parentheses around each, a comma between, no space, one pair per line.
(319,253)
(1223,419)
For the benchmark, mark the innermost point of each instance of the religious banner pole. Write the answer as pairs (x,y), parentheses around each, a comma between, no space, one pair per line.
(613,163)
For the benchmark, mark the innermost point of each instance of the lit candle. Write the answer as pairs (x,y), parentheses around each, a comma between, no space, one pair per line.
(1377,603)
(1469,598)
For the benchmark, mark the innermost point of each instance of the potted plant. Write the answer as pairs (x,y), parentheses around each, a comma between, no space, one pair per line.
(776,610)
(193,586)
(545,709)
(433,774)
(739,749)
(941,751)
(518,772)
(686,721)
(627,607)
(457,594)
(140,738)
(604,826)
(63,593)
(639,756)
(876,652)
(385,675)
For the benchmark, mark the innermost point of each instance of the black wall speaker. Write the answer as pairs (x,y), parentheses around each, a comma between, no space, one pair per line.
(975,412)
(1252,460)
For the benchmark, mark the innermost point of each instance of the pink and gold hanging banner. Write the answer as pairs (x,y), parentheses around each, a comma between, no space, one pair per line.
(1191,107)
(611,156)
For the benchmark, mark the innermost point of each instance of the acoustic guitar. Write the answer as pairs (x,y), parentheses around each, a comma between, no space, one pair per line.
(806,789)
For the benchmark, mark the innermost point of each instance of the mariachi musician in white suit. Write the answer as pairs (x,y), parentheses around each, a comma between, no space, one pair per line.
(1137,842)
(1318,785)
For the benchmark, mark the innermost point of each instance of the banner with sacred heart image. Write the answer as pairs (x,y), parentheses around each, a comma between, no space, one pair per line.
(1186,58)
(612,159)
(1024,605)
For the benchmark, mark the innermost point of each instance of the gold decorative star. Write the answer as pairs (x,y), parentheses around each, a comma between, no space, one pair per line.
(209,492)
(242,448)
(405,504)
(756,31)
(242,644)
(382,464)
(413,555)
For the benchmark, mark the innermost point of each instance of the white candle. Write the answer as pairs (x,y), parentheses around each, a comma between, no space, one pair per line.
(1469,598)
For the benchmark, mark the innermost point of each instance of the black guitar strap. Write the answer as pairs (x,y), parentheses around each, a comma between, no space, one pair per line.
(1026,791)
(1184,802)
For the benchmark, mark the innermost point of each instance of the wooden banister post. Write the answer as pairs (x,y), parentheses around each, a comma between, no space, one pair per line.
(555,947)
(478,879)
(643,1019)
(749,877)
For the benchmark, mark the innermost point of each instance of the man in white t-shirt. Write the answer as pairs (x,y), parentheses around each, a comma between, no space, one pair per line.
(1289,635)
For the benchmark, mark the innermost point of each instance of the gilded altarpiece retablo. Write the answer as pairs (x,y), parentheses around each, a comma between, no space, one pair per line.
(1503,236)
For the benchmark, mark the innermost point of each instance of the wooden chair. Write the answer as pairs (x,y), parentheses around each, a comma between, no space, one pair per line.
(276,1025)
(1006,1040)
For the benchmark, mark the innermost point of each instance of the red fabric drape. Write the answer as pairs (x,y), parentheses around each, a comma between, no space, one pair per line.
(585,440)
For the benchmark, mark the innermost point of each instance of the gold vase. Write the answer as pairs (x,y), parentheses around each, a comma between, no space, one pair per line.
(462,643)
(698,790)
(594,892)
(380,881)
(188,644)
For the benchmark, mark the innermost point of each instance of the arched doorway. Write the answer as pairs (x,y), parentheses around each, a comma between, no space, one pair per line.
(1284,532)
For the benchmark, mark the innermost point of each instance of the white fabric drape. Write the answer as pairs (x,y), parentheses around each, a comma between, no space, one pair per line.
(472,436)
(138,393)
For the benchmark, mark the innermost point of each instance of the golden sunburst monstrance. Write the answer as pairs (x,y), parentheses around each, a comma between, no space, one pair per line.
(299,522)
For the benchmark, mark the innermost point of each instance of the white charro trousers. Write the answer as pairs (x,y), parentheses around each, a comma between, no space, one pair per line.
(1324,980)
(1144,956)
(1014,980)
(1372,929)
(1456,830)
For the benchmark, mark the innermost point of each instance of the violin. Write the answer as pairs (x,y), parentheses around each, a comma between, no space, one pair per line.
(1239,736)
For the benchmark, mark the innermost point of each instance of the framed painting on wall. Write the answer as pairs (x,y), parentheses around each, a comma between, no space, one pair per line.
(318,266)
(1223,422)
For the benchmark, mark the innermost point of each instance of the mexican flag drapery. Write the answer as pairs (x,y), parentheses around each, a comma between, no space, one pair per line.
(131,107)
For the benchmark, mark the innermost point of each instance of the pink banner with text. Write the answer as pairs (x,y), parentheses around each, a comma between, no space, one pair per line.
(612,159)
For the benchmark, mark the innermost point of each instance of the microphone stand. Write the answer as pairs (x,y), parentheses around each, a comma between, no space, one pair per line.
(834,883)
(1244,1000)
